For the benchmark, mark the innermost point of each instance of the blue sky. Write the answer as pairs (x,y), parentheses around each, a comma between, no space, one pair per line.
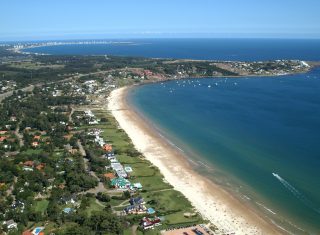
(77,19)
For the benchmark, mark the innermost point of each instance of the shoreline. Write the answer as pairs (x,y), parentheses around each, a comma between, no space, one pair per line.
(216,205)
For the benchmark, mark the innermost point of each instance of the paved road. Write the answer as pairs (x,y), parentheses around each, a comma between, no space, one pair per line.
(9,93)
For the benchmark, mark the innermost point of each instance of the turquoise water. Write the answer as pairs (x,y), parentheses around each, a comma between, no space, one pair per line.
(248,129)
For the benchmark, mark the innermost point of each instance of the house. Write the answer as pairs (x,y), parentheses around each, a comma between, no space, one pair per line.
(2,138)
(37,137)
(41,166)
(107,147)
(136,201)
(3,132)
(93,122)
(109,155)
(147,223)
(135,209)
(148,73)
(35,144)
(89,113)
(18,205)
(120,183)
(27,168)
(109,176)
(29,163)
(11,224)
(13,118)
(100,141)
(69,199)
(119,169)
(113,159)
(73,151)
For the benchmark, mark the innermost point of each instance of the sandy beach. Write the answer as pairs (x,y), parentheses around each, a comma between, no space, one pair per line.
(209,199)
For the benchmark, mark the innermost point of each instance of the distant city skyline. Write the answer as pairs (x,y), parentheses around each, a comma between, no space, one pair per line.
(81,19)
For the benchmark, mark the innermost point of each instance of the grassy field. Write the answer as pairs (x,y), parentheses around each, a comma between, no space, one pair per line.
(94,206)
(41,206)
(35,66)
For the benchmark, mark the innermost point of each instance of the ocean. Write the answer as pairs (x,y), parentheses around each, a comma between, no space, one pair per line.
(257,137)
(204,49)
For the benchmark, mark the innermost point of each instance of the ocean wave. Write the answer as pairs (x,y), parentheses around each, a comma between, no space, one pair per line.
(296,193)
(266,208)
(293,226)
(205,165)
(282,228)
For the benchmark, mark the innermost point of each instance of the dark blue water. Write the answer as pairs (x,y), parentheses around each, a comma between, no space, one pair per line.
(249,129)
(213,49)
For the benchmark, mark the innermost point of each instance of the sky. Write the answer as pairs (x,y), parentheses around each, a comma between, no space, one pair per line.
(102,19)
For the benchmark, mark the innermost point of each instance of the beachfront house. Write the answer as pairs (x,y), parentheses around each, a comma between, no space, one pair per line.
(136,206)
(136,201)
(118,168)
(121,183)
(107,147)
(109,176)
(147,223)
(135,209)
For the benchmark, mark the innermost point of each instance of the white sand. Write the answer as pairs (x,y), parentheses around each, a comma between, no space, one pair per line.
(210,200)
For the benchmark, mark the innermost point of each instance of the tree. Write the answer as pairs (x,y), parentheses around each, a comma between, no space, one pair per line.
(103,197)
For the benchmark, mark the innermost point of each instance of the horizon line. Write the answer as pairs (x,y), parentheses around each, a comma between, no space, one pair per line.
(143,38)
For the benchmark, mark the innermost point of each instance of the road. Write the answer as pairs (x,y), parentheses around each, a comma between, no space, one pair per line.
(9,93)
(19,136)
(100,188)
